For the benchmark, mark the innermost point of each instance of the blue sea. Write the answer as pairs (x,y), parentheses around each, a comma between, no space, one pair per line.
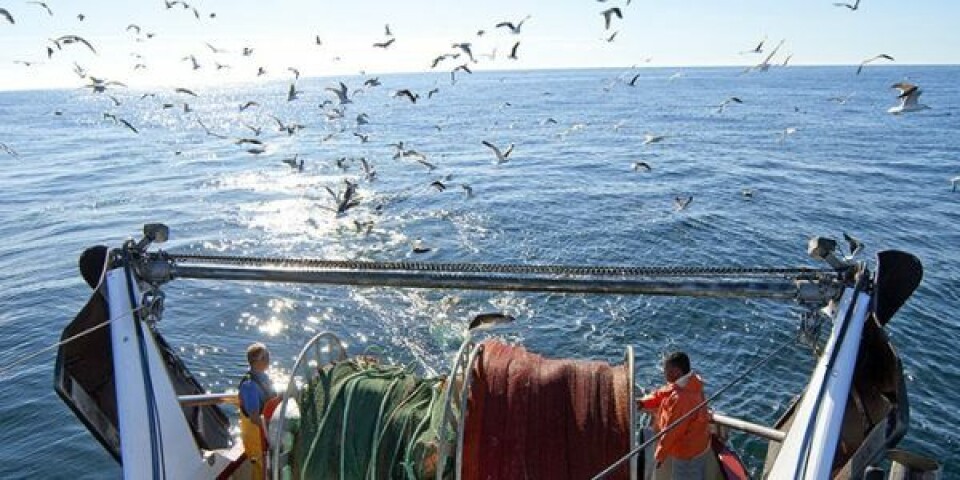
(567,194)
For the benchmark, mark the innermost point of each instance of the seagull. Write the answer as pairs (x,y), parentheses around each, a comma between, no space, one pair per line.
(633,81)
(407,93)
(502,156)
(787,131)
(681,203)
(341,93)
(438,185)
(221,136)
(247,51)
(45,7)
(855,244)
(453,73)
(261,71)
(363,138)
(723,104)
(212,48)
(255,130)
(134,27)
(513,51)
(6,14)
(248,105)
(193,60)
(609,13)
(432,92)
(437,60)
(465,48)
(362,119)
(418,247)
(514,28)
(644,165)
(386,44)
(909,94)
(651,138)
(955,181)
(68,39)
(611,37)
(372,82)
(296,73)
(292,161)
(758,48)
(10,151)
(239,141)
(747,193)
(185,91)
(871,59)
(386,30)
(369,173)
(128,125)
(852,8)
(293,92)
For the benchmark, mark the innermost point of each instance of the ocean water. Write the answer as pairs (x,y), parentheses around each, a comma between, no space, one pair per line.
(568,194)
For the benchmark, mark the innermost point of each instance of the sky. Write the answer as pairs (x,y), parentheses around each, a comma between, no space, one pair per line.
(557,34)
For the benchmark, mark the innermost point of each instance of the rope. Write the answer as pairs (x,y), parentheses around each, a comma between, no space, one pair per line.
(680,420)
(16,363)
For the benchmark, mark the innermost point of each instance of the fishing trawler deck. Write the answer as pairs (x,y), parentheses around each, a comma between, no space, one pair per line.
(499,407)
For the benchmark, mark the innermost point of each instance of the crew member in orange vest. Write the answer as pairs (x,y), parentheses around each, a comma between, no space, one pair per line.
(687,444)
(257,398)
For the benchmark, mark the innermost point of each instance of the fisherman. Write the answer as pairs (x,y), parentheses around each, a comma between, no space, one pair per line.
(257,400)
(687,444)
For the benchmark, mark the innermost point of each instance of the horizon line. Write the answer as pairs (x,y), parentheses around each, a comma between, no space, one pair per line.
(534,69)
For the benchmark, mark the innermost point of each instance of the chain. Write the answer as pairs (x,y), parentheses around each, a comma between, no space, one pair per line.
(568,270)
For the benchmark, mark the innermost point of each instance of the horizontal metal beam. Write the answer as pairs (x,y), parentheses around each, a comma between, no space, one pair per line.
(762,431)
(207,399)
(775,288)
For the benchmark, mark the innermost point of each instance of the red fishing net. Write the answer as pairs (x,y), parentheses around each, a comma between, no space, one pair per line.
(531,417)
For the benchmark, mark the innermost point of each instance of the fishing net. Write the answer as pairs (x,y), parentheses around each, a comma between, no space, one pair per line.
(533,417)
(363,420)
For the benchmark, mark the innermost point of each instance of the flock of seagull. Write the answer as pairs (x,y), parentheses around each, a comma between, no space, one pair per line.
(335,109)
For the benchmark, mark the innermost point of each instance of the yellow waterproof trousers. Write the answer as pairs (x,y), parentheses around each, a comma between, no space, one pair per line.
(253,446)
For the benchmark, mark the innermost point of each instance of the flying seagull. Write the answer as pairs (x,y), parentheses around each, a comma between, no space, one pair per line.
(644,165)
(513,51)
(609,13)
(872,59)
(386,44)
(341,93)
(758,48)
(407,93)
(13,153)
(681,203)
(723,104)
(787,132)
(6,14)
(853,7)
(909,94)
(633,81)
(68,39)
(186,91)
(293,92)
(514,28)
(502,156)
(386,30)
(45,7)
(651,138)
(855,244)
